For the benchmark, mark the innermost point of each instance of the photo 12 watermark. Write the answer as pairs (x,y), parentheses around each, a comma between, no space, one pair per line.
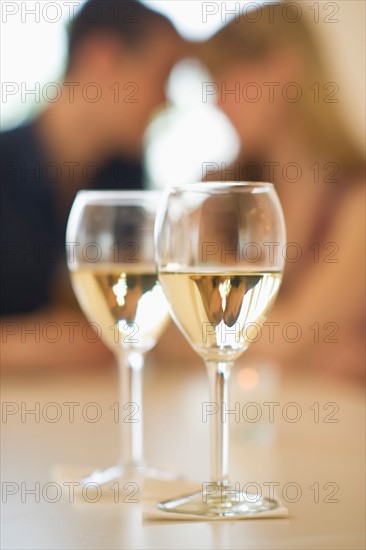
(52,92)
(270,11)
(67,172)
(122,333)
(252,332)
(127,492)
(70,412)
(52,12)
(271,411)
(253,252)
(251,492)
(53,252)
(289,172)
(270,92)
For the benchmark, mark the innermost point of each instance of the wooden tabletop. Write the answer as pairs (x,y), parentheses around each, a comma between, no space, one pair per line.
(302,434)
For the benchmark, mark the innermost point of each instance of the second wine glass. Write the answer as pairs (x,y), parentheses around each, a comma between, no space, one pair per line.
(219,253)
(114,277)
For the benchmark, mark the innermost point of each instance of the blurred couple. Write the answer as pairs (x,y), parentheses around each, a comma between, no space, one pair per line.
(130,57)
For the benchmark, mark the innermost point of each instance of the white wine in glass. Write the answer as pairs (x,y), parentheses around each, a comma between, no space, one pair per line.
(219,253)
(114,277)
(128,304)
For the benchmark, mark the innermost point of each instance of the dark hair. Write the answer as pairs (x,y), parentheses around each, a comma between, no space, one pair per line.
(128,20)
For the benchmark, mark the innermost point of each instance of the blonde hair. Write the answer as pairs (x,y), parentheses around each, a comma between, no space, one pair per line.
(253,38)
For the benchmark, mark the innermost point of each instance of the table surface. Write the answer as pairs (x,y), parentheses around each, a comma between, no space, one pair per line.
(308,439)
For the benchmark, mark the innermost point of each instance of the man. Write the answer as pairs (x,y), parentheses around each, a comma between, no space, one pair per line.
(120,55)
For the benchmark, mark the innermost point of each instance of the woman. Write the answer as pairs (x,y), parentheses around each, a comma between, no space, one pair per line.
(271,83)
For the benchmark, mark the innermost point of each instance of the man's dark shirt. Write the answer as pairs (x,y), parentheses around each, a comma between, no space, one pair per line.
(32,230)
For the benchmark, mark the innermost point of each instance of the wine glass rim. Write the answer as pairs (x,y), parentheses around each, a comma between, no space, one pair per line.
(216,185)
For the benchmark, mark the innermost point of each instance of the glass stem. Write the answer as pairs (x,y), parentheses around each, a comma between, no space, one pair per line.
(131,419)
(219,373)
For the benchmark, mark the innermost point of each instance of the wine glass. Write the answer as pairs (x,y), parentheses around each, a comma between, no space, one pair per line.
(219,254)
(113,273)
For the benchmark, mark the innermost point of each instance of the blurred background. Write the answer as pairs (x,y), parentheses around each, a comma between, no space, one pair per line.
(183,124)
(33,54)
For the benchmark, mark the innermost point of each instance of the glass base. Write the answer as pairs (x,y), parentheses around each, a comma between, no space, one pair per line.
(220,500)
(137,471)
